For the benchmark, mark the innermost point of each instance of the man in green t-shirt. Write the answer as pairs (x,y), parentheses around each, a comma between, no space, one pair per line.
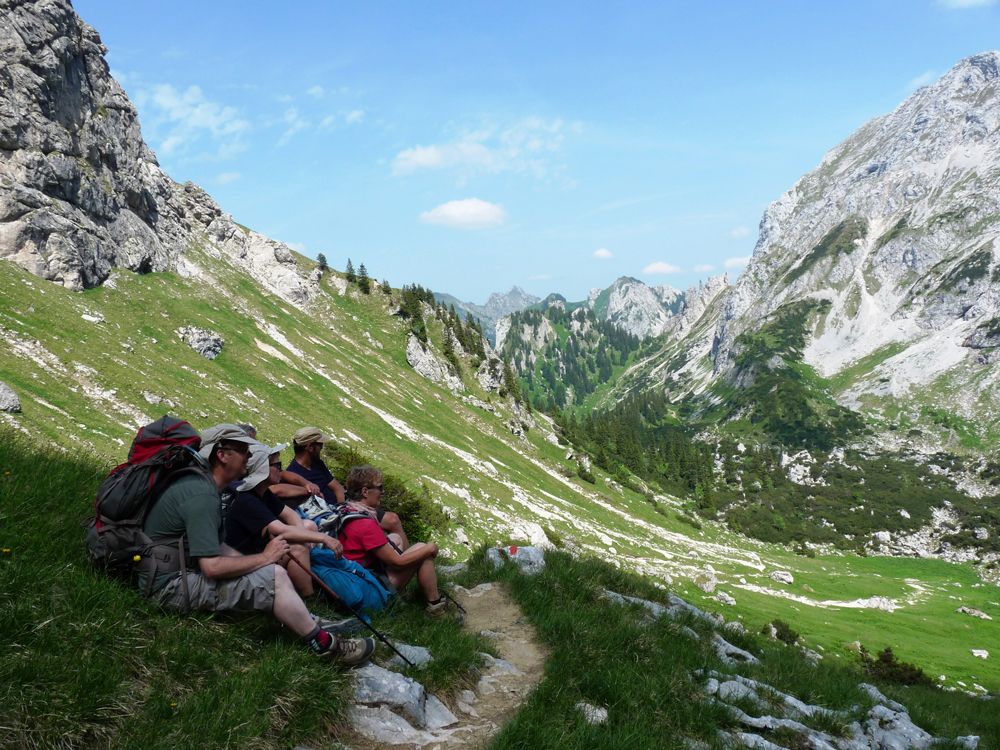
(220,578)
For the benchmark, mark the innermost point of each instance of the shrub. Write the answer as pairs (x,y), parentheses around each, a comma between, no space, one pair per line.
(888,668)
(783,632)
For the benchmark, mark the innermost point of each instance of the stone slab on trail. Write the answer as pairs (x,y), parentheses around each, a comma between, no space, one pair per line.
(505,682)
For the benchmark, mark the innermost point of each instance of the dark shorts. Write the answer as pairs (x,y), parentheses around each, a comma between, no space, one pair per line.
(253,592)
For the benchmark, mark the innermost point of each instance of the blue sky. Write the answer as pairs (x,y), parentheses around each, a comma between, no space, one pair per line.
(555,146)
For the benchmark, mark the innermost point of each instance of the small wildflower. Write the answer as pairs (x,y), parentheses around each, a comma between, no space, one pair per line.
(6,550)
(173,705)
(7,472)
(136,558)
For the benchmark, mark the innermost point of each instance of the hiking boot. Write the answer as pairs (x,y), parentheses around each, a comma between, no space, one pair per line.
(443,606)
(351,652)
(346,626)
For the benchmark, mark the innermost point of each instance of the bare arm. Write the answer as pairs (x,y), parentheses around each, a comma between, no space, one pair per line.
(290,477)
(293,492)
(298,533)
(415,554)
(338,490)
(234,566)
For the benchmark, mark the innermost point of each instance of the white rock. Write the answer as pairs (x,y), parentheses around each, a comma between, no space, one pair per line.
(781,576)
(725,598)
(592,714)
(418,655)
(9,402)
(981,653)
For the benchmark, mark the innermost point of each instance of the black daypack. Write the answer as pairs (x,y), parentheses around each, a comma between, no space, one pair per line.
(161,452)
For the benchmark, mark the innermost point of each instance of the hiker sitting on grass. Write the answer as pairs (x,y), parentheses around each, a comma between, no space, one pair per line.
(215,577)
(365,542)
(259,513)
(308,445)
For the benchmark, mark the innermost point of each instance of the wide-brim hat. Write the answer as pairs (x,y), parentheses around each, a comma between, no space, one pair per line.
(220,432)
(258,466)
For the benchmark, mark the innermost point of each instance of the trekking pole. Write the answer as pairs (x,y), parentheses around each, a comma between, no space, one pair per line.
(332,594)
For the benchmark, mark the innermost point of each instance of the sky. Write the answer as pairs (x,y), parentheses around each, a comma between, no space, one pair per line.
(471,147)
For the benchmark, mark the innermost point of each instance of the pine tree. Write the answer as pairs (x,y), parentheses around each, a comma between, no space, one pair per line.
(321,263)
(352,277)
(386,289)
(364,283)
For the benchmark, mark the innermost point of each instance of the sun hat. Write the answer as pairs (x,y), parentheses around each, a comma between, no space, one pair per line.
(309,435)
(225,431)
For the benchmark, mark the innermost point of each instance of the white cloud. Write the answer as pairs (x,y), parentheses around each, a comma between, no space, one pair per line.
(316,91)
(738,233)
(660,268)
(528,145)
(928,76)
(603,253)
(962,4)
(540,277)
(354,116)
(179,120)
(737,262)
(328,122)
(226,177)
(703,268)
(294,122)
(470,213)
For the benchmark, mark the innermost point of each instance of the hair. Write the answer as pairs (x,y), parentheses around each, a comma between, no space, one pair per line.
(360,477)
(299,448)
(249,429)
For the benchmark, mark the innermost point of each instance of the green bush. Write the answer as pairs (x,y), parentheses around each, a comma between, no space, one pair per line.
(886,667)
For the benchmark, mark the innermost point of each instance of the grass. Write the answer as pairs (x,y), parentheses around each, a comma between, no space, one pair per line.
(85,661)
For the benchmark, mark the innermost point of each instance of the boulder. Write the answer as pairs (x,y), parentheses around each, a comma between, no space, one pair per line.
(418,656)
(9,402)
(204,341)
(781,576)
(724,598)
(730,654)
(882,537)
(375,686)
(706,581)
(980,653)
(530,560)
(894,730)
(973,612)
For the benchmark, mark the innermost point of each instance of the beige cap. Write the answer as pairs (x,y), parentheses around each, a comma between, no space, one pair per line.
(308,435)
(220,432)
(258,466)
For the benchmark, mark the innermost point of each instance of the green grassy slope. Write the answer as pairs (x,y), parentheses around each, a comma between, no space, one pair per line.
(342,367)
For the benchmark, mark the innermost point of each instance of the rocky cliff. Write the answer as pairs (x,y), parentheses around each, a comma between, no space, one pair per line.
(80,192)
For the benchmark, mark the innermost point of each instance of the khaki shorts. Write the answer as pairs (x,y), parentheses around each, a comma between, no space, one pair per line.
(251,592)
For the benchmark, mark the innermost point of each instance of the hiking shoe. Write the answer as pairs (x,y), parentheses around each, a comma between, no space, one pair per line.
(352,652)
(442,607)
(346,626)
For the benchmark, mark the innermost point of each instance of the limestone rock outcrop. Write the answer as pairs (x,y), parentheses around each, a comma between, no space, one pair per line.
(9,401)
(81,194)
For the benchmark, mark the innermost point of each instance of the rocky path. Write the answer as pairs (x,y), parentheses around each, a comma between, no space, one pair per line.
(479,713)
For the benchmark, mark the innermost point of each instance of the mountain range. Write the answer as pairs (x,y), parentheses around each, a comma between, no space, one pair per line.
(867,315)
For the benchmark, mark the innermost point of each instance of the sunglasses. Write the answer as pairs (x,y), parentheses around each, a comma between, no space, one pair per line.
(275,464)
(379,487)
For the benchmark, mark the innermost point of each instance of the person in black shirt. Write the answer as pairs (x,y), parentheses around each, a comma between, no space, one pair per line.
(259,513)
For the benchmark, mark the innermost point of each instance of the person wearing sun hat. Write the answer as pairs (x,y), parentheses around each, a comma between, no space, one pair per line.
(308,445)
(214,577)
(259,513)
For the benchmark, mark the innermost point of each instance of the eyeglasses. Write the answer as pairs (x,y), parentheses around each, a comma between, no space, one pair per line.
(379,487)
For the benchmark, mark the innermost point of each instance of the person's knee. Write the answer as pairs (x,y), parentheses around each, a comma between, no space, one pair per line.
(310,525)
(392,521)
(396,539)
(281,580)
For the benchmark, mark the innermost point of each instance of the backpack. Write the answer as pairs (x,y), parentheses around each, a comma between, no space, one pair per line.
(354,585)
(160,453)
(329,519)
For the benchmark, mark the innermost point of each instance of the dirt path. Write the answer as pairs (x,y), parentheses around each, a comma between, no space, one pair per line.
(505,682)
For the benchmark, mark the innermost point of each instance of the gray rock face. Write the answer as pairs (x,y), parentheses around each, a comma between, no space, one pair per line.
(490,375)
(80,192)
(9,402)
(375,686)
(207,343)
(423,360)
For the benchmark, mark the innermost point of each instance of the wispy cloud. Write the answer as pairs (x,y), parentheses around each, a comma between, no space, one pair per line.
(738,233)
(527,145)
(962,4)
(294,122)
(316,92)
(660,268)
(470,213)
(703,268)
(540,277)
(180,120)
(603,253)
(737,262)
(225,178)
(354,116)
(928,76)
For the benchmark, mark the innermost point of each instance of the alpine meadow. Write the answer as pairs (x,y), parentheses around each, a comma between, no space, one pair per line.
(759,512)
